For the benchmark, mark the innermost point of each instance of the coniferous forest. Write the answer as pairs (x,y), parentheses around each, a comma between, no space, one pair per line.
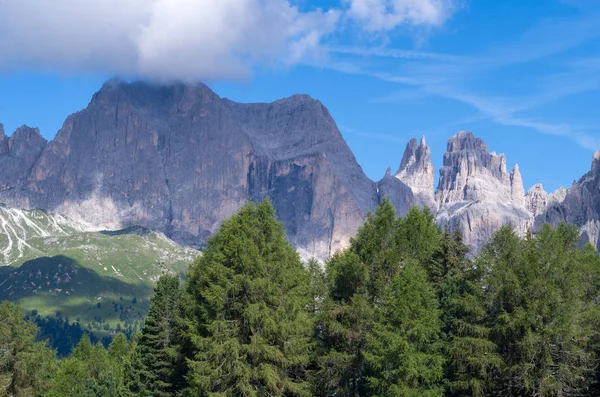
(406,310)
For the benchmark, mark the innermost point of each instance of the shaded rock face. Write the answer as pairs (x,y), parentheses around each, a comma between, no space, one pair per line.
(180,159)
(476,193)
(400,194)
(18,155)
(417,172)
(579,205)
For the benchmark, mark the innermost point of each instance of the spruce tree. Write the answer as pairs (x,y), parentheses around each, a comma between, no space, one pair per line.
(157,367)
(538,291)
(471,357)
(345,324)
(248,311)
(356,280)
(449,258)
(418,236)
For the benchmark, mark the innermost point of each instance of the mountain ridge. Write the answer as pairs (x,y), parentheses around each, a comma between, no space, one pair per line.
(180,159)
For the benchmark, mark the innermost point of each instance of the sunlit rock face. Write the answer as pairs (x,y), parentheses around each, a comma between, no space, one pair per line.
(416,171)
(476,193)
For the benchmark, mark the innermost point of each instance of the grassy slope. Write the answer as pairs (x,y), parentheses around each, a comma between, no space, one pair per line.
(55,265)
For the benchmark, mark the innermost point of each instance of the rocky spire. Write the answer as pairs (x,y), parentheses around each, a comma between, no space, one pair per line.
(26,139)
(470,172)
(536,199)
(3,140)
(596,161)
(416,170)
(517,191)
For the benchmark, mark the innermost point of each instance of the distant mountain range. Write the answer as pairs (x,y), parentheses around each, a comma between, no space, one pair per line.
(179,159)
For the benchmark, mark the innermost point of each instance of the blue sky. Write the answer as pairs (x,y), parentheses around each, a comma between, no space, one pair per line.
(524,76)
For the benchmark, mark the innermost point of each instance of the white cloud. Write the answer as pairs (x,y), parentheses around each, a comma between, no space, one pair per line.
(384,15)
(186,39)
(159,39)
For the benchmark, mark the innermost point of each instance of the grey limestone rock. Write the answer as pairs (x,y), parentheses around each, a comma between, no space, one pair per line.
(416,170)
(180,159)
(476,193)
(579,205)
(18,154)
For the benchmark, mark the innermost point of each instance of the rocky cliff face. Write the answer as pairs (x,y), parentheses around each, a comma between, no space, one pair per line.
(476,193)
(18,155)
(579,205)
(180,159)
(417,172)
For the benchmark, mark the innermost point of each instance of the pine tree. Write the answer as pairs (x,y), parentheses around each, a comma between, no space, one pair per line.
(344,325)
(418,236)
(541,324)
(471,357)
(403,355)
(248,317)
(376,247)
(449,258)
(356,280)
(119,352)
(157,367)
(26,366)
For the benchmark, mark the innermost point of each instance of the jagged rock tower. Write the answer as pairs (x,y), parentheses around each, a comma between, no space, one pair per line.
(476,193)
(416,170)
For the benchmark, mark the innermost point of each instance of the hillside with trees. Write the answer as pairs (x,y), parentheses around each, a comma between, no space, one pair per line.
(405,310)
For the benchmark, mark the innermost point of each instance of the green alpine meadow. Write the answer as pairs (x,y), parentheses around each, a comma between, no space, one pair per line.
(405,310)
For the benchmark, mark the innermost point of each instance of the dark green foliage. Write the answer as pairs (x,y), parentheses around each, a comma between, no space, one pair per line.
(403,354)
(404,311)
(471,357)
(541,316)
(61,334)
(26,366)
(418,236)
(356,278)
(448,259)
(157,365)
(370,313)
(248,300)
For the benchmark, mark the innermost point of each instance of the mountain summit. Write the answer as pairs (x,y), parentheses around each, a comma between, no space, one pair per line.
(179,159)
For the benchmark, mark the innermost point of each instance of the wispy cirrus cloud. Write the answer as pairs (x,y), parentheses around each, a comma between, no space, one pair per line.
(372,135)
(455,76)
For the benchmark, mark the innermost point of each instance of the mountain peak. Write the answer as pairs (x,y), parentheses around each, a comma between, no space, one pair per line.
(423,141)
(517,191)
(26,133)
(471,172)
(3,141)
(596,161)
(26,139)
(416,170)
(466,141)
